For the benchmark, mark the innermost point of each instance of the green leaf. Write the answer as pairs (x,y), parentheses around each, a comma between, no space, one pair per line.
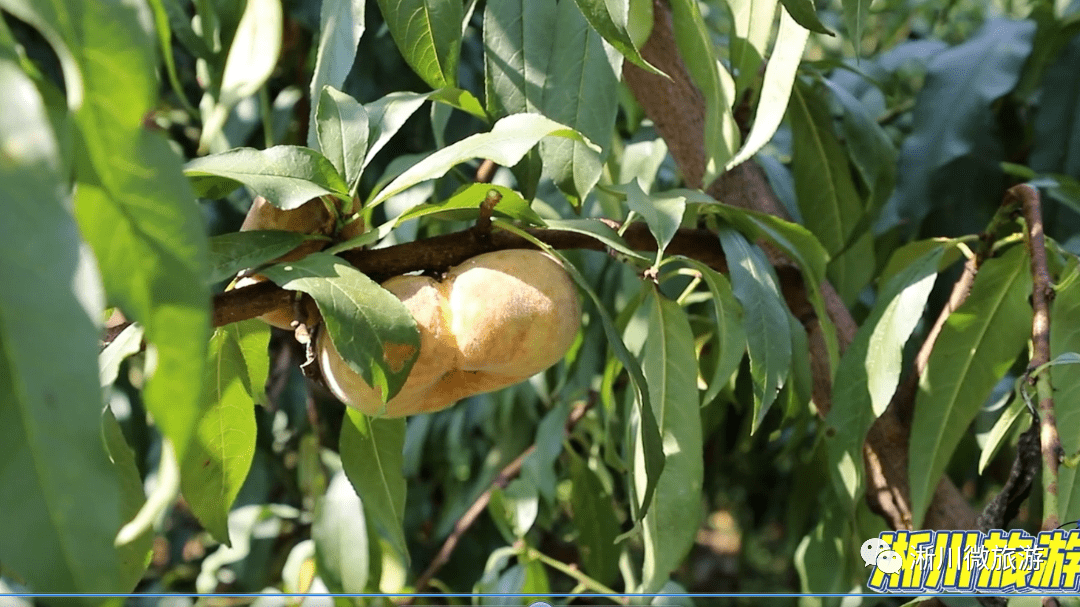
(951,118)
(1065,337)
(370,327)
(517,45)
(995,438)
(580,91)
(465,204)
(341,24)
(386,116)
(670,367)
(428,34)
(825,543)
(697,47)
(134,555)
(598,230)
(230,253)
(870,150)
(805,14)
(866,379)
(768,336)
(371,455)
(128,342)
(730,335)
(134,207)
(286,175)
(218,461)
(249,64)
(855,12)
(662,213)
(341,125)
(610,18)
(978,343)
(514,508)
(62,495)
(341,538)
(752,21)
(829,204)
(776,89)
(597,528)
(1054,147)
(648,443)
(505,144)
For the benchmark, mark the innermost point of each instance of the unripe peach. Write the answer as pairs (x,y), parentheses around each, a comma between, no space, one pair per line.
(494,321)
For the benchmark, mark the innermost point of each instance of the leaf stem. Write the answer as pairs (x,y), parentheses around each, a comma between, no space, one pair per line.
(574,572)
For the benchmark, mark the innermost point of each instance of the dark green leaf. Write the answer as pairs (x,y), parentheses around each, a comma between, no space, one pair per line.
(668,361)
(765,319)
(286,175)
(580,91)
(1065,337)
(610,18)
(805,14)
(230,253)
(371,455)
(598,230)
(370,327)
(978,343)
(428,34)
(730,335)
(855,15)
(517,44)
(135,554)
(597,528)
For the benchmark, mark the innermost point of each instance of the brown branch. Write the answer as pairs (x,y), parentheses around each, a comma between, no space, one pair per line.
(678,110)
(466,521)
(1040,336)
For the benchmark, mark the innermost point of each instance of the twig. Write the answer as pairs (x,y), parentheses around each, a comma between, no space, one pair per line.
(477,508)
(487,207)
(486,171)
(1040,337)
(579,577)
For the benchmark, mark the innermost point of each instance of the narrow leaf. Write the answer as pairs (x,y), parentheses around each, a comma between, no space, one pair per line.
(610,19)
(369,326)
(768,337)
(1065,337)
(341,24)
(597,529)
(776,88)
(505,144)
(518,47)
(465,204)
(669,364)
(217,463)
(341,125)
(662,213)
(752,21)
(805,14)
(230,253)
(286,175)
(341,538)
(371,455)
(978,343)
(730,334)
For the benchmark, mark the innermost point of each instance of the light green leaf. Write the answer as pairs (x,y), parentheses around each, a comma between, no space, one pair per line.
(128,342)
(341,125)
(341,24)
(730,335)
(580,91)
(1065,337)
(1000,430)
(662,213)
(135,554)
(598,230)
(978,343)
(597,528)
(62,494)
(217,463)
(286,175)
(855,12)
(899,306)
(465,204)
(514,508)
(386,116)
(250,62)
(765,319)
(505,144)
(340,532)
(752,21)
(610,18)
(776,88)
(669,364)
(371,455)
(370,327)
(428,34)
(699,50)
(648,439)
(235,251)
